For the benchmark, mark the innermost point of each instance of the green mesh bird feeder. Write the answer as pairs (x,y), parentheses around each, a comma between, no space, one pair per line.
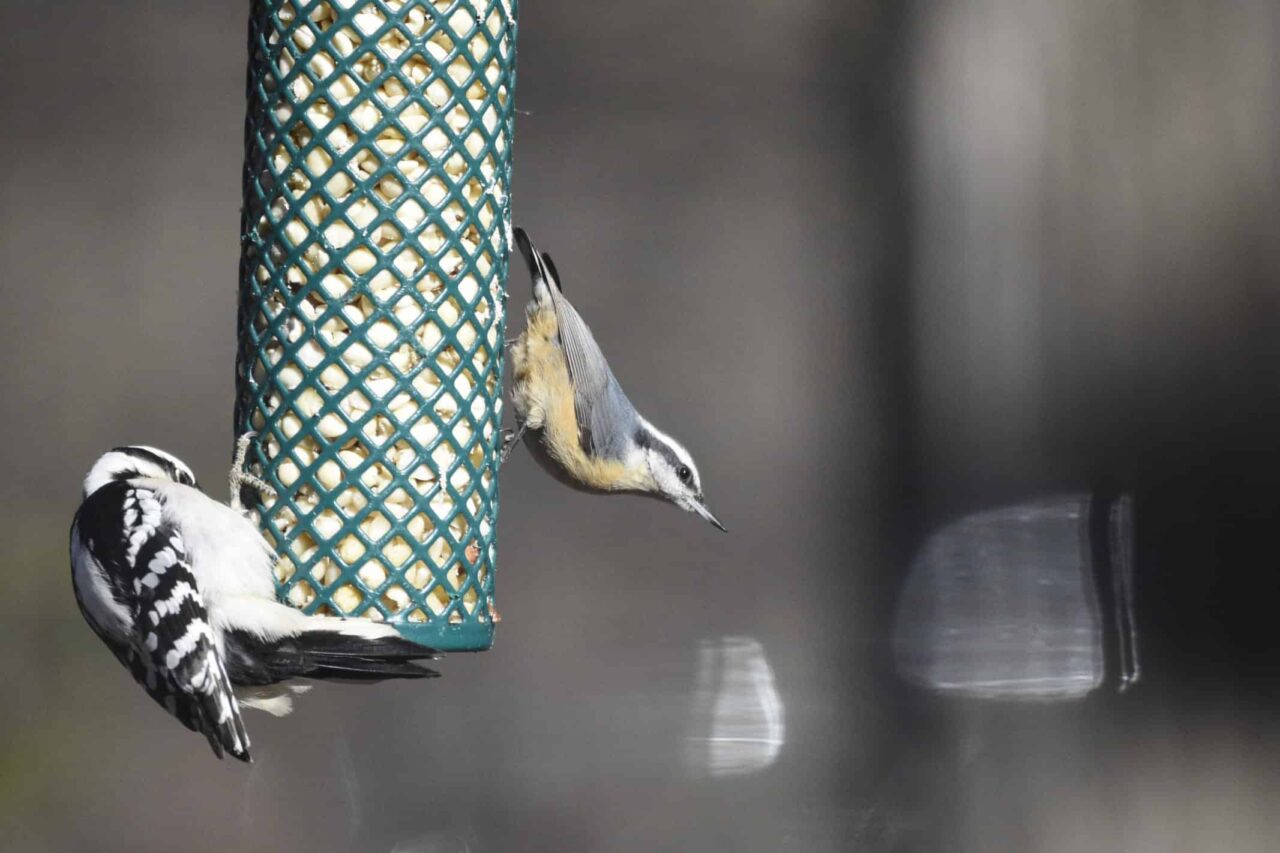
(374,251)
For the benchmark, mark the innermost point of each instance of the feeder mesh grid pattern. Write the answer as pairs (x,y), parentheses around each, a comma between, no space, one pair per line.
(374,254)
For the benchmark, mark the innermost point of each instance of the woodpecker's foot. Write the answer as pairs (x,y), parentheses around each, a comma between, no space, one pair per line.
(239,478)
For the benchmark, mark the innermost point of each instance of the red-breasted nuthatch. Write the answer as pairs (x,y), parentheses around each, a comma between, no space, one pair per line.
(572,413)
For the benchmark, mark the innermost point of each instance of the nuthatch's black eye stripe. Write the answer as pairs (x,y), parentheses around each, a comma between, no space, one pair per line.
(645,440)
(670,455)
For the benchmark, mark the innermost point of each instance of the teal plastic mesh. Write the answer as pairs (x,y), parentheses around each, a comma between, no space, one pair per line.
(374,252)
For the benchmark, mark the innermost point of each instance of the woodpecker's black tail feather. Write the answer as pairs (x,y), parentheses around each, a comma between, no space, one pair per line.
(338,655)
(321,655)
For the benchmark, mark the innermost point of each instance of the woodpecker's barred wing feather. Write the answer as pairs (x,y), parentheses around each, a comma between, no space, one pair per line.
(604,414)
(168,643)
(181,649)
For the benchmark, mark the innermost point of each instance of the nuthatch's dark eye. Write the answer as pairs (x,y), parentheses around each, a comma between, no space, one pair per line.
(684,474)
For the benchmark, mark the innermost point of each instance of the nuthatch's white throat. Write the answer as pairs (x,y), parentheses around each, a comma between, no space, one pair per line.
(572,412)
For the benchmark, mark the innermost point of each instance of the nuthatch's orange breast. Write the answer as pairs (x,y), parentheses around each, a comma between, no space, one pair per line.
(542,394)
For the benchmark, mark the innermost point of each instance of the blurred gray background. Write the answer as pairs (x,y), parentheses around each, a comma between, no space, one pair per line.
(878,264)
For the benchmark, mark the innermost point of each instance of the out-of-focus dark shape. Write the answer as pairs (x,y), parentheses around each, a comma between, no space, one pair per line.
(1006,603)
(1122,577)
(1111,544)
(739,722)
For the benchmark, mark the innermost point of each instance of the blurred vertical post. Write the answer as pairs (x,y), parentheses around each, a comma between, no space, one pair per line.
(374,249)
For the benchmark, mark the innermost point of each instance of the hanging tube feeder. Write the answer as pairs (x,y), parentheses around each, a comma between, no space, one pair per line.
(374,257)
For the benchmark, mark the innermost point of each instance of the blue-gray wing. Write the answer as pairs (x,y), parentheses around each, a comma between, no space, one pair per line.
(605,415)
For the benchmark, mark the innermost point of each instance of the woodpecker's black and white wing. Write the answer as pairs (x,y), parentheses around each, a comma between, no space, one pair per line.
(605,415)
(134,584)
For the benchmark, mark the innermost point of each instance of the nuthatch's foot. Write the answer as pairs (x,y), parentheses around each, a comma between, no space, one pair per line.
(239,478)
(510,438)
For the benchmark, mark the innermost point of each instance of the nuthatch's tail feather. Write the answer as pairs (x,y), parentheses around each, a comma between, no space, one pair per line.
(550,266)
(541,268)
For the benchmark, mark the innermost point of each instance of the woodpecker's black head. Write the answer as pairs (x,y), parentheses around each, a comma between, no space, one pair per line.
(135,462)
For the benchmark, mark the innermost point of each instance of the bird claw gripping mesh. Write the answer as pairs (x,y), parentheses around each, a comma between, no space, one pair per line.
(374,246)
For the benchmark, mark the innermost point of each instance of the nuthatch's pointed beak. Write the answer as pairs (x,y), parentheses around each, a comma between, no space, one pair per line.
(700,507)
